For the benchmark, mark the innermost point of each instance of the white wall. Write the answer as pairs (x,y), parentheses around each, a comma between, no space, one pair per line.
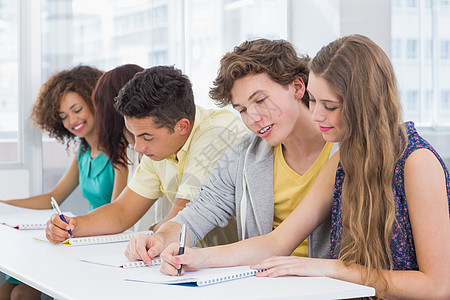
(14,184)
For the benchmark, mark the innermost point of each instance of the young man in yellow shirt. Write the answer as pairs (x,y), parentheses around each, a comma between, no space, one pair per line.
(179,141)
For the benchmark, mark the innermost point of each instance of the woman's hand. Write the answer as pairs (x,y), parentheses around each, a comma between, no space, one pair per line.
(192,260)
(293,265)
(57,231)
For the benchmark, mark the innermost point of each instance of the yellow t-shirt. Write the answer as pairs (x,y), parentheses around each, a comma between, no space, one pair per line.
(289,188)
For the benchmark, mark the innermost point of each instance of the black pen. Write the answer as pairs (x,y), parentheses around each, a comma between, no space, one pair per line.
(182,243)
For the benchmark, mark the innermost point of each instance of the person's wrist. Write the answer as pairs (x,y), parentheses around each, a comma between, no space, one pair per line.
(74,222)
(160,238)
(335,268)
(206,261)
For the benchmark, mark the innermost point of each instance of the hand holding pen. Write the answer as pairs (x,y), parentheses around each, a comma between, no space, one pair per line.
(181,244)
(58,210)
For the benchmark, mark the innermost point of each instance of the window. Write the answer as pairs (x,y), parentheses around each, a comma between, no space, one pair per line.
(445,49)
(411,3)
(411,49)
(190,34)
(428,49)
(445,100)
(428,98)
(20,147)
(396,3)
(215,27)
(412,101)
(9,66)
(193,35)
(425,66)
(396,48)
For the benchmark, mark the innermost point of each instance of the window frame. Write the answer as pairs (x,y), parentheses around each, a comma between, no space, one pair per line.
(30,65)
(29,70)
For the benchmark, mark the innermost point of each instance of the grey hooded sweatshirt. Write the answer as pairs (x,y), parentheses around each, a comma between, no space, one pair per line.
(241,185)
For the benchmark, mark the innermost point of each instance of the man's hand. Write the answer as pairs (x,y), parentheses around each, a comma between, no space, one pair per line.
(144,247)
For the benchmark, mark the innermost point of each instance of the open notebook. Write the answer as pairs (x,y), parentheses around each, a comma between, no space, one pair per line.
(29,218)
(198,278)
(99,239)
(118,261)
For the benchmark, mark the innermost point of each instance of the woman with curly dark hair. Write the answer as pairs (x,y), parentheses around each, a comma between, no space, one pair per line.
(64,108)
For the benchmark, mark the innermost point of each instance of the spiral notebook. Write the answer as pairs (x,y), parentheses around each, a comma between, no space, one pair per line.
(29,219)
(198,278)
(118,261)
(99,239)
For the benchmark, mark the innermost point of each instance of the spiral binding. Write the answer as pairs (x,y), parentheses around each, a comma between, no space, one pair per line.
(137,264)
(31,226)
(105,238)
(228,277)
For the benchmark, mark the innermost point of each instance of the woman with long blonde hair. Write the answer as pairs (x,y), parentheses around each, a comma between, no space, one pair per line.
(387,189)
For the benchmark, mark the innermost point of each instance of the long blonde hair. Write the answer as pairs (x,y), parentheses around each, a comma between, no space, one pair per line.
(372,140)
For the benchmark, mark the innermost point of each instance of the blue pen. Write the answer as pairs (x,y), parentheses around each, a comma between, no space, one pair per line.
(58,210)
(181,244)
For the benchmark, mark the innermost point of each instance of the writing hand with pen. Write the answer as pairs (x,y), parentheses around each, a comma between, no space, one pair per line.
(59,227)
(177,258)
(191,260)
(145,248)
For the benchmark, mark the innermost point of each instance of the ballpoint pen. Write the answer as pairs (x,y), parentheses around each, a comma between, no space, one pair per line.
(181,243)
(58,210)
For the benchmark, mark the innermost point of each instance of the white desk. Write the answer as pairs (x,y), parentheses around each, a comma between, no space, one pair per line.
(57,271)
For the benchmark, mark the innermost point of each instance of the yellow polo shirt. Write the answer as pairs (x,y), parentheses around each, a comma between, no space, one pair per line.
(180,175)
(290,188)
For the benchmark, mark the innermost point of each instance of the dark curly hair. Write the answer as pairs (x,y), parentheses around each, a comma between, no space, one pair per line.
(109,124)
(162,93)
(276,58)
(81,80)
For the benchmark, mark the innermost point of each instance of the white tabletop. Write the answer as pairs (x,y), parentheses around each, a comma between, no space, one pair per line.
(57,271)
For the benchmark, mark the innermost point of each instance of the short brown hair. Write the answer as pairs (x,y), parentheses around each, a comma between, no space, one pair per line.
(276,58)
(163,93)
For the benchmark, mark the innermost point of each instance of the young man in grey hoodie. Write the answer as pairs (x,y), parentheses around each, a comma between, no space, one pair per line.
(263,177)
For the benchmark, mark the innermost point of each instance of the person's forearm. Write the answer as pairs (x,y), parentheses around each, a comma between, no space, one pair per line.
(401,284)
(35,202)
(178,205)
(107,219)
(170,233)
(242,253)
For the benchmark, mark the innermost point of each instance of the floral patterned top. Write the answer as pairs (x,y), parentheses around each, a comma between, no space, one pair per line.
(402,243)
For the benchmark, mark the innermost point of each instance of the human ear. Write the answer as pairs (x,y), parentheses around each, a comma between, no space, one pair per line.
(299,88)
(183,126)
